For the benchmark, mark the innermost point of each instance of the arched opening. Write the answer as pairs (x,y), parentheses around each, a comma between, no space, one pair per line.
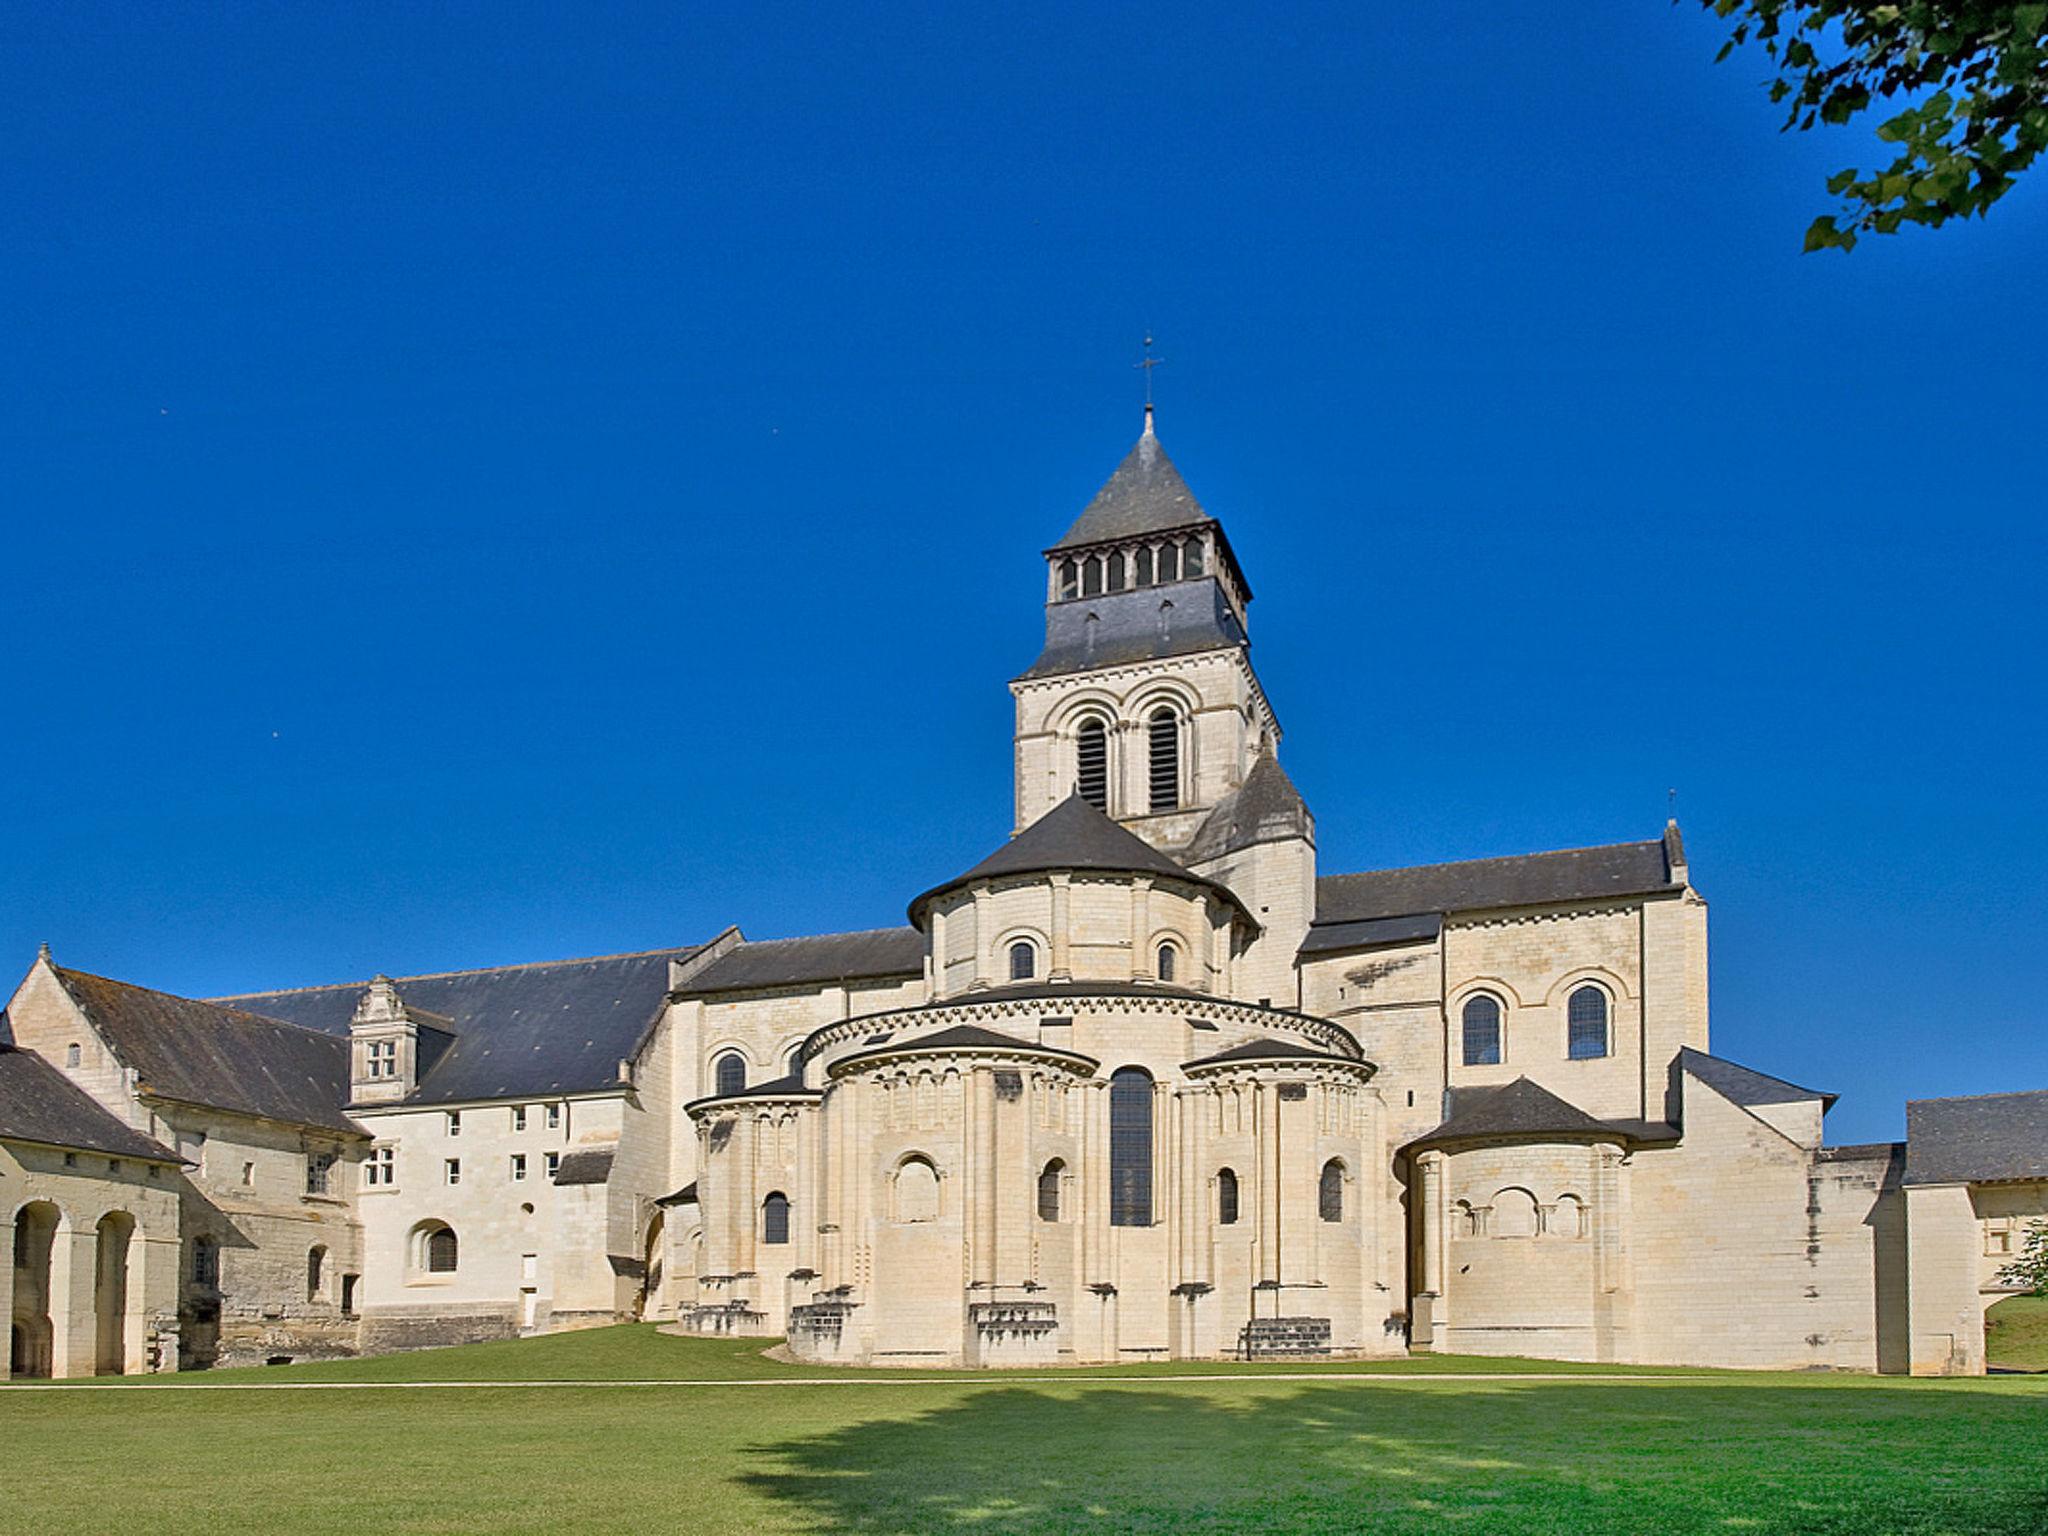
(1169,562)
(1023,960)
(1482,1031)
(1143,563)
(730,1075)
(1130,1147)
(1050,1178)
(1091,764)
(110,1293)
(775,1219)
(1330,1191)
(30,1334)
(1116,572)
(1091,576)
(917,1191)
(316,1273)
(1567,1218)
(435,1249)
(1586,1024)
(1514,1214)
(1226,1197)
(1167,962)
(1070,579)
(1191,563)
(1163,778)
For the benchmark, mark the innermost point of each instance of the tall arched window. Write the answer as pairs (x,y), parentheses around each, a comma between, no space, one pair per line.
(775,1219)
(440,1252)
(1226,1198)
(917,1191)
(1191,567)
(1482,1031)
(1586,1024)
(1143,564)
(1091,576)
(1330,1193)
(1169,562)
(1091,764)
(1070,579)
(1116,572)
(1167,961)
(1164,738)
(1049,1190)
(1023,961)
(1130,1147)
(731,1073)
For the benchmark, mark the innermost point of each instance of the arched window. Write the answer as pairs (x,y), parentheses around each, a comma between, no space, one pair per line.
(1091,576)
(1586,1024)
(316,1272)
(1464,1220)
(1167,961)
(796,1061)
(439,1251)
(1226,1197)
(1091,764)
(1191,565)
(1070,579)
(1164,737)
(1143,564)
(731,1073)
(1514,1214)
(775,1219)
(1116,573)
(1049,1190)
(1330,1193)
(1482,1031)
(1169,563)
(1130,1147)
(1567,1218)
(917,1191)
(1023,961)
(72,1054)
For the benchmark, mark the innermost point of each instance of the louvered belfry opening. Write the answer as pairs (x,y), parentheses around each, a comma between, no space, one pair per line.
(1091,763)
(1165,760)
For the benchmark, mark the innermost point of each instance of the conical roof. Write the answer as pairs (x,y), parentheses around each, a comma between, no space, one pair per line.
(1145,495)
(1073,835)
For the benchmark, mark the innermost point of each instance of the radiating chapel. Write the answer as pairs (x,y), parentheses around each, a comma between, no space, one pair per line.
(1143,1083)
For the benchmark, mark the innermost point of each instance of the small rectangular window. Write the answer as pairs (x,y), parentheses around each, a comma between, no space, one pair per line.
(452,1170)
(518,1117)
(454,1122)
(518,1167)
(554,1117)
(319,1171)
(554,1164)
(248,1175)
(72,1055)
(380,1168)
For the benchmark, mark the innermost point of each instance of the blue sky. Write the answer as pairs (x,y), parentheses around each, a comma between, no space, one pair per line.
(515,482)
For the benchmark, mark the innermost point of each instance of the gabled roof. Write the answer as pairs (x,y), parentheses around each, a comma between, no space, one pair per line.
(1526,1110)
(39,1103)
(1746,1086)
(1268,1049)
(520,1031)
(1073,835)
(818,960)
(1978,1139)
(1144,494)
(220,1057)
(1266,808)
(1522,880)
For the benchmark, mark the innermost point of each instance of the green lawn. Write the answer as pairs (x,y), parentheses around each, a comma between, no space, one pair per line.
(1706,1452)
(2016,1333)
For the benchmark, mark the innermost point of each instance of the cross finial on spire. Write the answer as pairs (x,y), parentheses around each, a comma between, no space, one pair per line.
(1145,365)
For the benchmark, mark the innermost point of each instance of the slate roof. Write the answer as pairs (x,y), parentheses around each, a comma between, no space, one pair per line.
(585,1165)
(961,1037)
(520,1031)
(1266,808)
(774,1088)
(1144,494)
(1522,880)
(1114,629)
(1072,835)
(1746,1086)
(222,1057)
(1978,1139)
(39,1103)
(1372,933)
(1267,1049)
(1526,1110)
(871,954)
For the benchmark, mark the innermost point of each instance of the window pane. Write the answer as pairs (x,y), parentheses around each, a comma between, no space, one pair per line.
(1587,1024)
(732,1073)
(775,1219)
(1482,1032)
(1023,962)
(1130,1148)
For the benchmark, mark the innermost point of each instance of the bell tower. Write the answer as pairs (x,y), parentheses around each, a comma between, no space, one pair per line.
(1144,700)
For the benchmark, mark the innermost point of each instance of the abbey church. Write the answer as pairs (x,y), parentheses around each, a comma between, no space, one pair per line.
(1144,1083)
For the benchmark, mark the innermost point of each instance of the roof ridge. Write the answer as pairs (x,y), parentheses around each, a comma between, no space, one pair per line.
(1496,858)
(1955,1098)
(219,1005)
(847,933)
(477,970)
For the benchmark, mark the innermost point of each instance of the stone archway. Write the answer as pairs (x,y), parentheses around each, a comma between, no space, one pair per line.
(30,1335)
(110,1282)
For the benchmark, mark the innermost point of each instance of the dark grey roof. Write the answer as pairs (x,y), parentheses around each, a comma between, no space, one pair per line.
(1267,1049)
(1372,933)
(1114,629)
(585,1165)
(38,1103)
(1746,1086)
(687,1195)
(1979,1139)
(818,960)
(220,1057)
(1072,835)
(1523,880)
(787,1087)
(1523,1109)
(1144,494)
(1266,808)
(963,1037)
(521,1031)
